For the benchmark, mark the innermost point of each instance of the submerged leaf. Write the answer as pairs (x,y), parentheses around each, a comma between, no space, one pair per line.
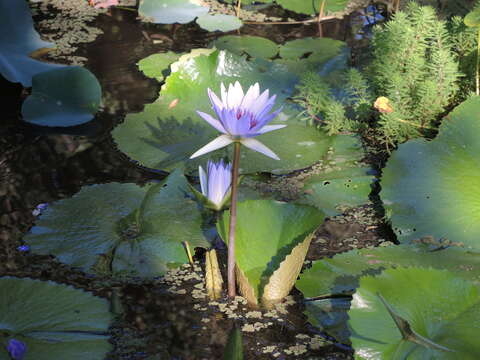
(63,97)
(53,320)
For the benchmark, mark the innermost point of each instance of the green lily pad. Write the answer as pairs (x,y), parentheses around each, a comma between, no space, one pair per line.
(18,39)
(163,137)
(328,279)
(125,228)
(254,46)
(313,7)
(431,188)
(472,19)
(271,241)
(63,97)
(156,66)
(219,22)
(438,313)
(338,188)
(170,11)
(55,321)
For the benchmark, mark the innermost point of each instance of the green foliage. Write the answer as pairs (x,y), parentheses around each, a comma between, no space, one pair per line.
(321,107)
(414,67)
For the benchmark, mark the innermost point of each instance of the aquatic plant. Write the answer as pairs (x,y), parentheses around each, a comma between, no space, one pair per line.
(472,19)
(240,118)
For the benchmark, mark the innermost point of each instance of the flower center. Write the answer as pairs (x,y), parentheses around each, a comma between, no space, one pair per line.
(252,120)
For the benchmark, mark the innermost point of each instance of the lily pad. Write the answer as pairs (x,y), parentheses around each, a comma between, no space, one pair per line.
(255,46)
(313,7)
(171,11)
(156,66)
(219,22)
(438,313)
(125,228)
(338,188)
(432,188)
(18,39)
(271,241)
(62,97)
(328,279)
(54,321)
(163,137)
(472,19)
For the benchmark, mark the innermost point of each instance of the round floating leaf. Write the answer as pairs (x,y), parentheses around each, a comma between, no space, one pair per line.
(171,11)
(18,39)
(271,241)
(121,228)
(339,276)
(163,136)
(167,218)
(438,312)
(313,7)
(157,66)
(63,97)
(432,188)
(472,19)
(54,321)
(338,188)
(254,46)
(219,22)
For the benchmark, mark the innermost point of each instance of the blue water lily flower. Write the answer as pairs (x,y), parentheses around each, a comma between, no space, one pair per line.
(240,117)
(216,183)
(16,349)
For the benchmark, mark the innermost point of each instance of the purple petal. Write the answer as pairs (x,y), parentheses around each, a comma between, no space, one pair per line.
(234,95)
(260,103)
(203,180)
(212,121)
(251,96)
(268,128)
(218,143)
(258,146)
(265,120)
(16,349)
(214,99)
(228,120)
(223,94)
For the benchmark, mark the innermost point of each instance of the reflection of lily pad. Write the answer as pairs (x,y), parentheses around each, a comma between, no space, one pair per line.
(432,188)
(121,227)
(171,11)
(439,312)
(313,7)
(156,66)
(54,321)
(254,46)
(18,39)
(63,97)
(271,241)
(219,22)
(144,137)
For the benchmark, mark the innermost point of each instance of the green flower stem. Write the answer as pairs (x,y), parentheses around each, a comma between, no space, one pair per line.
(233,220)
(477,75)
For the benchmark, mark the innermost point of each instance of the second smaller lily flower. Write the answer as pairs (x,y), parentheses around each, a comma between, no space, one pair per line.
(215,184)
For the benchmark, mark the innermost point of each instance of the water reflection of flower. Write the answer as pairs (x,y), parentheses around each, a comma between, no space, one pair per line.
(240,118)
